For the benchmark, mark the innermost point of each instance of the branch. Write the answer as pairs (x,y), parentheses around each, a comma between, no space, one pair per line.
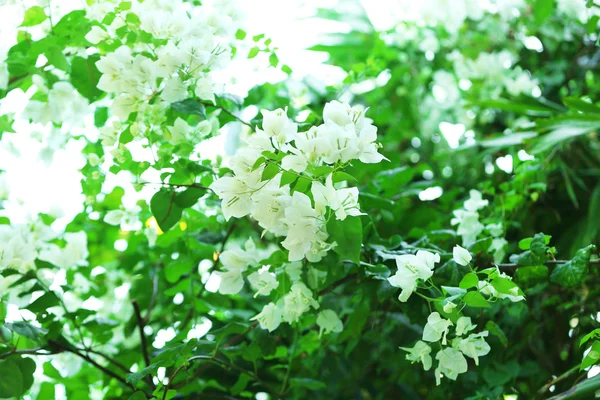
(547,386)
(91,361)
(334,285)
(144,344)
(33,352)
(550,262)
(221,363)
(226,111)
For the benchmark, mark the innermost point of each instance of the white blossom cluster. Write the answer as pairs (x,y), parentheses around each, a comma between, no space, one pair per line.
(21,245)
(194,44)
(237,261)
(344,136)
(451,356)
(469,226)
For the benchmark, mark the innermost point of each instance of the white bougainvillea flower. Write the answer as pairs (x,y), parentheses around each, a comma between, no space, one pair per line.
(344,201)
(469,226)
(328,322)
(464,325)
(461,255)
(96,35)
(277,125)
(232,281)
(451,364)
(449,306)
(436,328)
(235,193)
(473,346)
(297,302)
(420,352)
(269,318)
(303,225)
(263,281)
(475,201)
(411,268)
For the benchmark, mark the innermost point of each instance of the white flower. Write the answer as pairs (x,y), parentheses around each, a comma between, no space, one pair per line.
(277,125)
(235,193)
(269,318)
(269,205)
(3,75)
(448,307)
(297,302)
(473,346)
(179,131)
(469,226)
(175,90)
(498,247)
(96,35)
(232,281)
(461,255)
(436,328)
(344,201)
(205,89)
(410,269)
(451,364)
(294,162)
(464,325)
(263,281)
(303,226)
(328,322)
(420,352)
(475,201)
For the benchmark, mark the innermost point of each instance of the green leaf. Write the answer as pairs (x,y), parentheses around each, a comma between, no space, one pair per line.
(189,106)
(165,209)
(542,9)
(378,271)
(285,68)
(307,383)
(475,299)
(495,330)
(580,105)
(573,272)
(287,178)
(591,357)
(85,77)
(253,52)
(189,197)
(503,285)
(340,176)
(27,367)
(564,128)
(532,275)
(240,34)
(100,116)
(174,270)
(139,395)
(27,330)
(11,380)
(269,172)
(348,236)
(525,244)
(34,16)
(592,335)
(273,60)
(536,255)
(468,281)
(43,302)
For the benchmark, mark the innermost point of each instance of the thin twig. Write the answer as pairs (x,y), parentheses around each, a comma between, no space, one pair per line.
(565,375)
(140,323)
(550,262)
(337,283)
(226,111)
(221,363)
(91,361)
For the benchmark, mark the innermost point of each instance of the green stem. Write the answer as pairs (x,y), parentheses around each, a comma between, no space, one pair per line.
(290,360)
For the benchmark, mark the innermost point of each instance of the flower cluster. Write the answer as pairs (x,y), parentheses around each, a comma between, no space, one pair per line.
(21,245)
(156,53)
(469,226)
(451,356)
(275,177)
